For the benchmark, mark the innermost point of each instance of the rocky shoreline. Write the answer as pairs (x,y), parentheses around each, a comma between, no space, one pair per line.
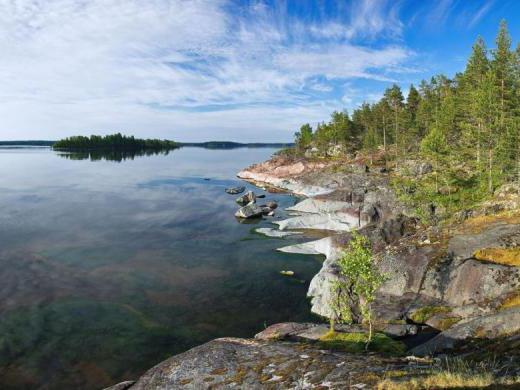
(437,286)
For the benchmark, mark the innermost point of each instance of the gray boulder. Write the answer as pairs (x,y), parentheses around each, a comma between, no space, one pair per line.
(272,205)
(235,190)
(248,197)
(232,363)
(249,211)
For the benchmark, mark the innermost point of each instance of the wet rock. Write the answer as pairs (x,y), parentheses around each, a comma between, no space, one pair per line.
(272,205)
(270,232)
(261,196)
(248,197)
(249,211)
(235,190)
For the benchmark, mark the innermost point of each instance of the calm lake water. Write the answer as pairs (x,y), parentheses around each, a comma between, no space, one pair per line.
(107,268)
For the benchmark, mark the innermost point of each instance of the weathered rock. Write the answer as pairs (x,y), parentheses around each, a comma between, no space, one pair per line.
(256,364)
(415,168)
(121,386)
(269,232)
(250,211)
(463,246)
(465,282)
(400,330)
(443,321)
(316,206)
(334,222)
(248,197)
(283,330)
(235,190)
(492,326)
(308,332)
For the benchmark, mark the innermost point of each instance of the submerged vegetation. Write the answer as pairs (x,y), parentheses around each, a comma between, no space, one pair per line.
(467,127)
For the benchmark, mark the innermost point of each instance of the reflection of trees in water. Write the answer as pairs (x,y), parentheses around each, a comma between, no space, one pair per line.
(111,155)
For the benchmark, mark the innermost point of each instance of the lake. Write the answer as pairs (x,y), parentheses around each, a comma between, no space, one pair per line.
(109,266)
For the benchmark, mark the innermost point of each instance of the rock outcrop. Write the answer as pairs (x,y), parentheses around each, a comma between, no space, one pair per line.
(500,324)
(256,364)
(424,267)
(435,284)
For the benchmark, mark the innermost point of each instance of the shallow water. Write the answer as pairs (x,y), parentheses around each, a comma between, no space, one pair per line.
(107,267)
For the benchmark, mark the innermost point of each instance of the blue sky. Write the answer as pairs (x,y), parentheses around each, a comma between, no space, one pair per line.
(221,69)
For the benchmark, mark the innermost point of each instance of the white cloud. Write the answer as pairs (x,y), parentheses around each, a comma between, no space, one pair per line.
(180,69)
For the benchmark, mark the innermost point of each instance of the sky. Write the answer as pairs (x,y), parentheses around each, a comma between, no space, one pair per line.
(199,70)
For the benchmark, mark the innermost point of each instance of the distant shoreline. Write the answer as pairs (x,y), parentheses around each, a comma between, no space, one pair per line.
(206,145)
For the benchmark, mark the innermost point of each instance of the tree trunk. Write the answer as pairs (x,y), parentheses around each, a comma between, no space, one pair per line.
(490,168)
(384,135)
(478,143)
(369,334)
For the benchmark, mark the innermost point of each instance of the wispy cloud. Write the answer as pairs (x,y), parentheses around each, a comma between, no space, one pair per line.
(185,69)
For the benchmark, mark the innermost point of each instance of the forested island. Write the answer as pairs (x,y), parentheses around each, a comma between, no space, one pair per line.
(112,142)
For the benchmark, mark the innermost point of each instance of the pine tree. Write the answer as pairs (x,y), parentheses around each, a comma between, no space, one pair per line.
(476,69)
(394,97)
(413,101)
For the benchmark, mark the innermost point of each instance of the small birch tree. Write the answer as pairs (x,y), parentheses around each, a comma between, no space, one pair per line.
(359,276)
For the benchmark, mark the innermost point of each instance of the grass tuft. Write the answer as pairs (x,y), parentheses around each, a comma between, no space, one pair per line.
(355,343)
(423,314)
(451,374)
(512,301)
(505,256)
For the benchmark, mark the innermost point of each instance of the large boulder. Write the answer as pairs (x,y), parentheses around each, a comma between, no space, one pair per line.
(248,197)
(249,211)
(232,363)
(415,168)
(235,190)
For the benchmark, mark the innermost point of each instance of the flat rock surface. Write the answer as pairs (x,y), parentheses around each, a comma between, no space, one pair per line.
(503,323)
(254,364)
(270,232)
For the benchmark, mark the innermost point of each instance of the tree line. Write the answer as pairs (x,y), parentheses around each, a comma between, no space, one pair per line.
(113,142)
(470,120)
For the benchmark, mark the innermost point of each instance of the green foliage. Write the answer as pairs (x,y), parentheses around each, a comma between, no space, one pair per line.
(448,189)
(113,142)
(303,137)
(356,343)
(471,119)
(361,277)
(434,143)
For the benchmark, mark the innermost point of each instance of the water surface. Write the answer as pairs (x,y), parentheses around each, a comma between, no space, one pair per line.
(108,267)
